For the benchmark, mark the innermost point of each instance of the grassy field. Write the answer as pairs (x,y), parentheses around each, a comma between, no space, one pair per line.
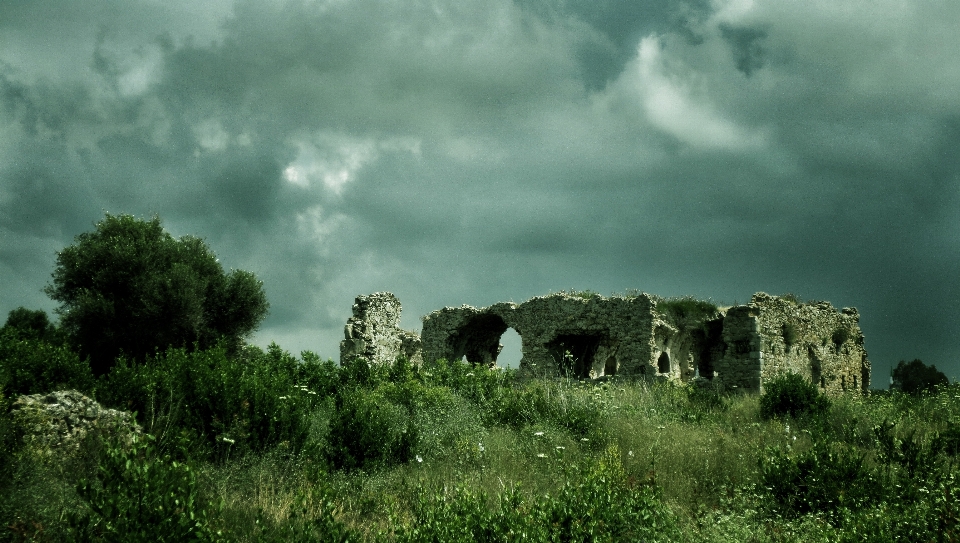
(265,446)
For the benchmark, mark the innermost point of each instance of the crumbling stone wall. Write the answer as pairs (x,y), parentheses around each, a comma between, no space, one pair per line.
(774,335)
(560,334)
(593,336)
(373,332)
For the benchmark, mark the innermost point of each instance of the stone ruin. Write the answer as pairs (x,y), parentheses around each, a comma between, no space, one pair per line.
(373,332)
(740,347)
(55,424)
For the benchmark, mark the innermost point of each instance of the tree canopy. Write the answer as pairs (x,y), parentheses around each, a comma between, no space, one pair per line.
(131,288)
(915,376)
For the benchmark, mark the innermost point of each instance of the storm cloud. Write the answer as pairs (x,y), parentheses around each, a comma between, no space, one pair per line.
(472,152)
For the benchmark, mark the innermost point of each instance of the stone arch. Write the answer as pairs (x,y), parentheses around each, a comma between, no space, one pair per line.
(478,340)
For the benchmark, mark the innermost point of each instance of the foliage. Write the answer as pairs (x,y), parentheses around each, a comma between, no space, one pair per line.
(33,366)
(233,403)
(824,479)
(141,496)
(585,294)
(686,311)
(915,377)
(26,324)
(130,288)
(791,395)
(599,505)
(369,431)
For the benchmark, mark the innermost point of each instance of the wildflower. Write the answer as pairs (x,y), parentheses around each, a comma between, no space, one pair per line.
(470,374)
(282,398)
(541,455)
(538,434)
(228,440)
(480,446)
(629,453)
(661,427)
(419,459)
(584,439)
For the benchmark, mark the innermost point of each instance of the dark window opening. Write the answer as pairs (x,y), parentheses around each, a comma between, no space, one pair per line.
(663,363)
(574,353)
(610,368)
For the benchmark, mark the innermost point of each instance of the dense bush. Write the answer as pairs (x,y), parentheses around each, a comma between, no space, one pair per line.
(233,404)
(369,431)
(824,479)
(33,366)
(141,496)
(791,395)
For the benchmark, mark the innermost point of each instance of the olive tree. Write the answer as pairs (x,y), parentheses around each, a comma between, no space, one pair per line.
(131,288)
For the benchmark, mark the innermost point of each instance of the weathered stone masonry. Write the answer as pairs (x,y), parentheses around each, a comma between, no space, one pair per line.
(373,332)
(740,347)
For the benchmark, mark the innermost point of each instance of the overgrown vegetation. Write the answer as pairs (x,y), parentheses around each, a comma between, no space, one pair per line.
(264,446)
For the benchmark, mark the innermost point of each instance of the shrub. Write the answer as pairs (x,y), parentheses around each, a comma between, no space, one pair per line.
(368,431)
(824,479)
(599,504)
(141,496)
(234,403)
(791,395)
(33,366)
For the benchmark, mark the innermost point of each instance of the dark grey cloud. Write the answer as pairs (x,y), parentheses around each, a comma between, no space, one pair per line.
(471,152)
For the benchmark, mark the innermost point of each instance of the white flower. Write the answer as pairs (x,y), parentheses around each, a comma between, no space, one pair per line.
(480,446)
(541,455)
(228,440)
(584,439)
(629,453)
(538,434)
(419,459)
(560,447)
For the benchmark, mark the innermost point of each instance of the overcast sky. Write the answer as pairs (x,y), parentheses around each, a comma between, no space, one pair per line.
(475,151)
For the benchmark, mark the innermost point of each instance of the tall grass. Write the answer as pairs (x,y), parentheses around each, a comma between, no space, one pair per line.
(449,452)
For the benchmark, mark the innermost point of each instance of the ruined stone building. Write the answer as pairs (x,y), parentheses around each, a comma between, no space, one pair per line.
(638,335)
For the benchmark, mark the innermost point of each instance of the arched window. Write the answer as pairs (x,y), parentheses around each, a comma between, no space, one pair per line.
(663,364)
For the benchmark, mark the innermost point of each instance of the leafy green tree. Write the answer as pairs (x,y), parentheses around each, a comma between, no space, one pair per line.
(915,376)
(130,287)
(31,325)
